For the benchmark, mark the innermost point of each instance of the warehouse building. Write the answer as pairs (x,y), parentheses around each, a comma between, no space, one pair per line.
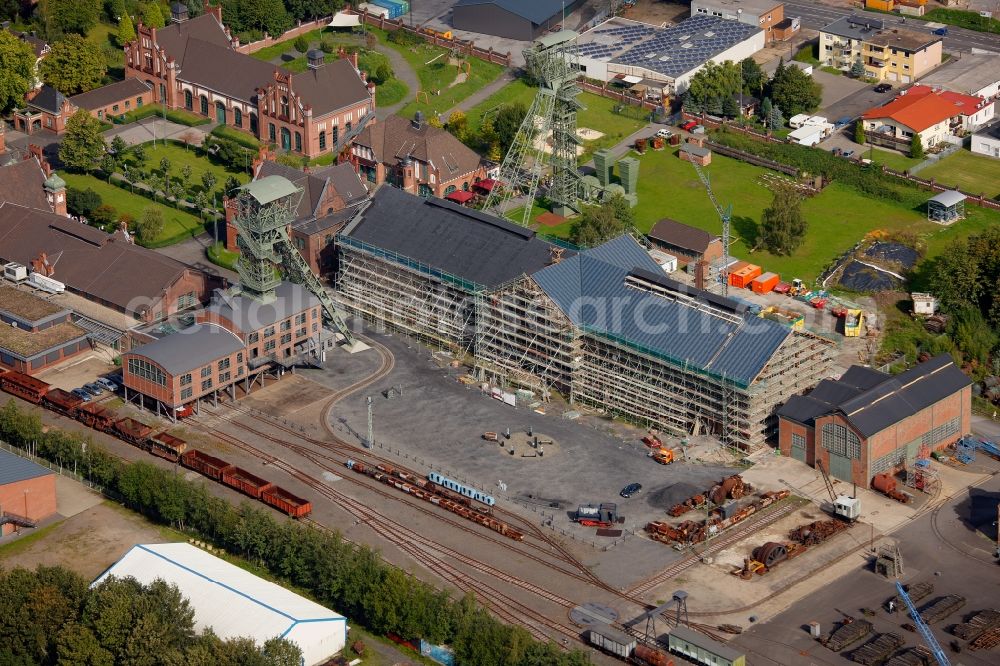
(769,15)
(869,422)
(36,334)
(687,243)
(27,493)
(233,602)
(663,60)
(526,20)
(603,326)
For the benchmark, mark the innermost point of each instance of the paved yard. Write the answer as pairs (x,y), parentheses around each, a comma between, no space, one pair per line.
(854,103)
(151,128)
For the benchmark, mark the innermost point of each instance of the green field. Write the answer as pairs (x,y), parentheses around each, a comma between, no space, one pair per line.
(838,217)
(893,159)
(179,156)
(220,256)
(975,174)
(178,224)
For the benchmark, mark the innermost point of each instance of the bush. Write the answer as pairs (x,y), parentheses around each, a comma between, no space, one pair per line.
(104,216)
(242,138)
(405,38)
(82,202)
(327,45)
(301,44)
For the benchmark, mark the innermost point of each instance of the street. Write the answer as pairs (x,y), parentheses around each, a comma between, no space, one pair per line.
(814,16)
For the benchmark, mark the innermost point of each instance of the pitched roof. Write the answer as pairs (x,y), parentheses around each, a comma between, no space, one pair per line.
(395,138)
(854,27)
(333,86)
(872,401)
(86,259)
(968,75)
(48,99)
(341,178)
(23,183)
(206,27)
(536,11)
(917,112)
(345,180)
(109,94)
(14,468)
(681,235)
(191,347)
(224,70)
(249,315)
(38,45)
(312,186)
(651,313)
(446,237)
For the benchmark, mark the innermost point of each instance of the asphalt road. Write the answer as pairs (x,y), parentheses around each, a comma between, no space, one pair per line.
(815,16)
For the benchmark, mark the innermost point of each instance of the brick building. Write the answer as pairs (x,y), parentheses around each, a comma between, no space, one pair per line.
(416,157)
(234,339)
(114,99)
(768,15)
(193,64)
(44,108)
(685,242)
(31,182)
(868,422)
(27,492)
(34,333)
(330,197)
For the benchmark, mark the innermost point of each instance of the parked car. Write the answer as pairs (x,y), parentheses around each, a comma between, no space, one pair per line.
(80,393)
(940,32)
(689,125)
(847,153)
(106,383)
(631,490)
(93,389)
(664,133)
(883,87)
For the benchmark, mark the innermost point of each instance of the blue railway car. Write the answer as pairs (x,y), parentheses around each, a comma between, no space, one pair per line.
(461,489)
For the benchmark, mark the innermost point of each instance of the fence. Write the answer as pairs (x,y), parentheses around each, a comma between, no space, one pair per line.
(466,47)
(292,33)
(750,158)
(716,123)
(934,186)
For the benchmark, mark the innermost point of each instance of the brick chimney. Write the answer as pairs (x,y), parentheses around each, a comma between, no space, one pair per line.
(42,265)
(3,139)
(214,11)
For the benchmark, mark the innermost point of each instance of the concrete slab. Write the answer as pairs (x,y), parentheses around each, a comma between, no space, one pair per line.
(73,497)
(79,370)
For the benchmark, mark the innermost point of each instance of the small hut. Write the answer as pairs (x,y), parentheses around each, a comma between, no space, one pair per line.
(946,207)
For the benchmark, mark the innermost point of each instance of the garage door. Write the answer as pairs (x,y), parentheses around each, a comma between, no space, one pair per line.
(799,453)
(840,467)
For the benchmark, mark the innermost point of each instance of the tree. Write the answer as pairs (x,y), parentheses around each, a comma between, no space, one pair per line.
(507,122)
(916,147)
(82,202)
(795,91)
(17,70)
(208,180)
(281,652)
(151,15)
(859,132)
(782,227)
(140,153)
(77,645)
(73,66)
(301,44)
(126,31)
(765,109)
(267,15)
(201,203)
(730,109)
(115,9)
(601,223)
(775,119)
(754,78)
(108,165)
(118,148)
(64,16)
(458,125)
(186,174)
(232,184)
(858,69)
(150,225)
(82,145)
(165,167)
(712,84)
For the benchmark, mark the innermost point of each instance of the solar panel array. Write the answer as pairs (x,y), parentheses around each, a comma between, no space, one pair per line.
(671,51)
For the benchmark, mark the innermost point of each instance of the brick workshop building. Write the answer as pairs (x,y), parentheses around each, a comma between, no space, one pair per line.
(27,493)
(36,334)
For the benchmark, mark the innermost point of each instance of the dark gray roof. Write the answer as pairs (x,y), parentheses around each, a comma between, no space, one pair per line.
(873,401)
(342,178)
(684,326)
(992,131)
(681,235)
(109,94)
(345,181)
(395,138)
(444,236)
(224,70)
(693,637)
(48,99)
(536,11)
(249,315)
(330,223)
(333,86)
(854,27)
(23,183)
(191,347)
(14,468)
(173,37)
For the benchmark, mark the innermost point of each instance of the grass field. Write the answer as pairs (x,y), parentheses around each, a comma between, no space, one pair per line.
(220,256)
(180,156)
(178,224)
(973,173)
(893,159)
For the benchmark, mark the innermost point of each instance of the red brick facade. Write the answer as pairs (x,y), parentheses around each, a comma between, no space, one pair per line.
(33,498)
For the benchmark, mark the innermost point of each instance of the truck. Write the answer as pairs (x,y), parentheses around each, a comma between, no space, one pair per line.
(663,456)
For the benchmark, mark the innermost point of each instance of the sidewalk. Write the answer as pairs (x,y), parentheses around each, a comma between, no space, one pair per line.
(481,94)
(151,128)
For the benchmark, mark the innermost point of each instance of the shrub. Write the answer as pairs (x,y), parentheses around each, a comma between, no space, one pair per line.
(301,44)
(82,202)
(104,216)
(405,38)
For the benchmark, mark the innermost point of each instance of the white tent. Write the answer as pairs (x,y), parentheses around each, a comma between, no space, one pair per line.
(342,20)
(234,602)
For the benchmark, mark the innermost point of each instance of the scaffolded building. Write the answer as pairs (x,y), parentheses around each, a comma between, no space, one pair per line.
(603,326)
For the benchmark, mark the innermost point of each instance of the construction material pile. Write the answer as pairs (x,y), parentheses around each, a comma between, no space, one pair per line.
(916,592)
(848,633)
(732,487)
(942,608)
(977,624)
(690,532)
(817,532)
(915,656)
(875,651)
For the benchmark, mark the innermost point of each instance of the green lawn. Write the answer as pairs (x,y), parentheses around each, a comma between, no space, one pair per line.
(220,256)
(893,159)
(973,173)
(179,156)
(272,52)
(178,224)
(515,91)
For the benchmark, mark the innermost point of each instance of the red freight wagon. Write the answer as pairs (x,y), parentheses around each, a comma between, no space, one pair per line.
(63,402)
(167,446)
(283,500)
(96,416)
(203,463)
(245,482)
(135,432)
(23,386)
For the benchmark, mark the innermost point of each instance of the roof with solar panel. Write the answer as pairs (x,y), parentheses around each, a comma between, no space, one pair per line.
(671,51)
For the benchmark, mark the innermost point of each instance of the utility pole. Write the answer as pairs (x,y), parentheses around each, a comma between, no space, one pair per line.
(371,436)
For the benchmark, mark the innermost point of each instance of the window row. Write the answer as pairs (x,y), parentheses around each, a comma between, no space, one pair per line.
(146,370)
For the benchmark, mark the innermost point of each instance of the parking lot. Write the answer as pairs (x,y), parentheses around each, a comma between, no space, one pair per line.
(854,103)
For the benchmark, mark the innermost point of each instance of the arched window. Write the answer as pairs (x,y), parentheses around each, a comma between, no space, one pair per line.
(284,106)
(188,100)
(322,140)
(465,186)
(163,93)
(271,133)
(448,190)
(237,118)
(253,123)
(220,113)
(298,142)
(841,441)
(204,105)
(286,139)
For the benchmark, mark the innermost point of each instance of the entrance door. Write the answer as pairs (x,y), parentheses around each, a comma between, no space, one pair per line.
(286,139)
(840,467)
(220,113)
(798,453)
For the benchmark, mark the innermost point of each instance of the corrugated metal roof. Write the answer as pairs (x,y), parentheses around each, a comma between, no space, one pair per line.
(270,188)
(692,329)
(234,602)
(14,468)
(190,348)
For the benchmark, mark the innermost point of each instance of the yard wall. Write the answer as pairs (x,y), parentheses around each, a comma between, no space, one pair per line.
(458,45)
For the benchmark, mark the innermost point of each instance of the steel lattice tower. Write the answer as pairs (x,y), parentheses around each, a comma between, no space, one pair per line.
(551,64)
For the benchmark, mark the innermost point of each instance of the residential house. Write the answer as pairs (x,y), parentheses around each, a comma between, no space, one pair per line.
(115,99)
(973,74)
(685,242)
(416,157)
(933,114)
(44,108)
(193,64)
(768,15)
(38,45)
(888,54)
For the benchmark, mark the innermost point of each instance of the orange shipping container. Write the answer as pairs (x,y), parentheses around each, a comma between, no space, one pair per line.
(763,284)
(742,277)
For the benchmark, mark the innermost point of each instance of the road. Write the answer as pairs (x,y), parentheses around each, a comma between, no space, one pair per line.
(814,16)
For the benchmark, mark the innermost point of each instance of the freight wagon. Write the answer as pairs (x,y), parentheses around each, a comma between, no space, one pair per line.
(468,491)
(62,402)
(626,648)
(245,482)
(700,649)
(23,386)
(167,446)
(285,501)
(205,464)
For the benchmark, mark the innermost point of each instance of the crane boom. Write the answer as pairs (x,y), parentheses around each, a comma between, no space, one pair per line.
(725,215)
(922,627)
